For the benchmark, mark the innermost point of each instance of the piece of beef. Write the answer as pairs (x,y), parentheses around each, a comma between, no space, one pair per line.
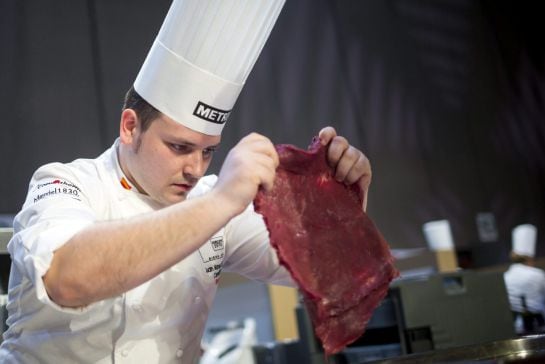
(332,249)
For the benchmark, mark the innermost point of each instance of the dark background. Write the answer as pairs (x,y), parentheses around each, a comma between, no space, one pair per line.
(446,98)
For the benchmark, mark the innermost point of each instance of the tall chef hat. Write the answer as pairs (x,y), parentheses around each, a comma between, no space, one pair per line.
(438,235)
(524,240)
(202,56)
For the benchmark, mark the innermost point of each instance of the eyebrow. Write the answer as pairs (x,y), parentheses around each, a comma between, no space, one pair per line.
(190,144)
(215,146)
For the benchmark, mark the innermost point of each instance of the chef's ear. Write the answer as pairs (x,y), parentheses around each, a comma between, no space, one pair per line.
(128,126)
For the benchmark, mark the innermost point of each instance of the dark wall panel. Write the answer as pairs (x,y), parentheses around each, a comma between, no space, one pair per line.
(124,32)
(49,90)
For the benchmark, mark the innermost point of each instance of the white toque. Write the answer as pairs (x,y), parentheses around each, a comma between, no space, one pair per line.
(202,56)
(438,235)
(524,240)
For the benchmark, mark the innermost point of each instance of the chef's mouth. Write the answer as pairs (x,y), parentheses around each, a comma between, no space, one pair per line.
(183,186)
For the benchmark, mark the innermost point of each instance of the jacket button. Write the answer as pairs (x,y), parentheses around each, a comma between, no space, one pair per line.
(137,307)
(197,300)
(125,353)
(179,353)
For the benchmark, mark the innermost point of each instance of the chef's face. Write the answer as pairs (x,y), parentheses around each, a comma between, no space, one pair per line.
(166,161)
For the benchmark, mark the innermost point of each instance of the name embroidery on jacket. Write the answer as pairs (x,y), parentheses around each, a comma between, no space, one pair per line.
(212,254)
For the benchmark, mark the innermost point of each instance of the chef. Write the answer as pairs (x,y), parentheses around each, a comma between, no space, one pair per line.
(525,283)
(117,259)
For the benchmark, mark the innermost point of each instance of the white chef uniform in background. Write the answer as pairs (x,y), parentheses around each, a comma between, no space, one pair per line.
(524,280)
(193,73)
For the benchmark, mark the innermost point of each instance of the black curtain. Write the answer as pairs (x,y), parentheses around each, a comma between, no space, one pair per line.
(445,97)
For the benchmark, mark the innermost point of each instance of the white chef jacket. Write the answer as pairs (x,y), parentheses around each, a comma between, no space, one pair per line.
(162,320)
(527,281)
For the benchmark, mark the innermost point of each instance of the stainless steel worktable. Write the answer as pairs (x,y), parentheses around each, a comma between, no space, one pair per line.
(528,349)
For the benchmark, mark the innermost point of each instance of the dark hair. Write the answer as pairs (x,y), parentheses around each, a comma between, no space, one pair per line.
(145,112)
(517,258)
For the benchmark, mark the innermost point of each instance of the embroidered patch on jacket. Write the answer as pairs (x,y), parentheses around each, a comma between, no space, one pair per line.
(125,184)
(54,187)
(212,254)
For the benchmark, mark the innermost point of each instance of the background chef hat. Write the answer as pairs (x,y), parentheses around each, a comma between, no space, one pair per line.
(524,240)
(202,56)
(438,235)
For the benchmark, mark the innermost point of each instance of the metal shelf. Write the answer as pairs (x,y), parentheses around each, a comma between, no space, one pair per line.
(5,236)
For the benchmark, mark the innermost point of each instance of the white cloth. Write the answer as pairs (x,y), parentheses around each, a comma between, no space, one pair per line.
(161,321)
(523,280)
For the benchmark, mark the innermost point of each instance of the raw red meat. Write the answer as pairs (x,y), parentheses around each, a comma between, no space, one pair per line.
(332,249)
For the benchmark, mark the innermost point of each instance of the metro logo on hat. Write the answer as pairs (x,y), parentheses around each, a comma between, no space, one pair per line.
(202,57)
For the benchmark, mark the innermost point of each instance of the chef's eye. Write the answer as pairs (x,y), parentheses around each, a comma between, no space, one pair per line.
(208,152)
(180,148)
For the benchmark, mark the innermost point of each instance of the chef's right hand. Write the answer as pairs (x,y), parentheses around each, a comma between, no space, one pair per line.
(249,165)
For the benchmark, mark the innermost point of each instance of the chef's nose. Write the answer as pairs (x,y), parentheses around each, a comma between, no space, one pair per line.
(194,165)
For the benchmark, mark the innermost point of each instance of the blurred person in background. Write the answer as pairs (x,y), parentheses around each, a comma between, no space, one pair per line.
(525,283)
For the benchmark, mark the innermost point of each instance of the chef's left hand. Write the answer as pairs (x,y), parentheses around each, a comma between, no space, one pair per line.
(349,163)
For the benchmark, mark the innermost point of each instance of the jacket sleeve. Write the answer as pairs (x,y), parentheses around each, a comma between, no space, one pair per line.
(249,253)
(56,208)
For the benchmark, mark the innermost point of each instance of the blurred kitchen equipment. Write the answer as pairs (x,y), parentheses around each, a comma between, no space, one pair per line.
(424,314)
(232,344)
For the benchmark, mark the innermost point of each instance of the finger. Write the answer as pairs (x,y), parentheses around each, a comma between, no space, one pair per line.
(364,182)
(346,163)
(267,182)
(273,154)
(264,170)
(364,198)
(336,149)
(326,134)
(360,169)
(261,144)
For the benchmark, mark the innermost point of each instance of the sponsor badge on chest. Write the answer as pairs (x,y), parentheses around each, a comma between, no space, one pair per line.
(212,253)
